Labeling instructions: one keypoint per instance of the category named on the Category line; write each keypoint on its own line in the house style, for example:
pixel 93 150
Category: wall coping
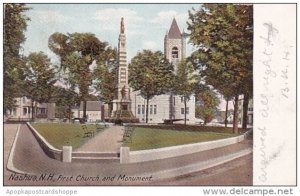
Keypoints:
pixel 47 144
pixel 157 150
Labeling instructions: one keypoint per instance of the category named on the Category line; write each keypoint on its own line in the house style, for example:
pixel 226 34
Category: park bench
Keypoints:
pixel 99 127
pixel 87 132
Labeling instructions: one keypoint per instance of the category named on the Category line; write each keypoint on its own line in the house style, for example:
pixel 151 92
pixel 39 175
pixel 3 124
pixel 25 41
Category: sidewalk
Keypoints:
pixel 106 141
pixel 10 131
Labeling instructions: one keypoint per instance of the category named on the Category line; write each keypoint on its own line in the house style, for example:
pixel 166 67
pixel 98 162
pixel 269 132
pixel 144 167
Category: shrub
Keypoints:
pixel 119 121
pixel 122 114
pixel 41 116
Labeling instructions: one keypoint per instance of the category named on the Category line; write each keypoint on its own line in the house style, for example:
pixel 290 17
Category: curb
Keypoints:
pixel 10 165
pixel 49 150
pixel 41 137
pixel 196 167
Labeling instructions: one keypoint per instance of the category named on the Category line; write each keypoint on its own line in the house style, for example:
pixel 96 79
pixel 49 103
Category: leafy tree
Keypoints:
pixel 225 91
pixel 151 74
pixel 248 93
pixel 106 76
pixel 15 24
pixel 77 51
pixel 187 81
pixel 64 99
pixel 92 97
pixel 40 78
pixel 227 99
pixel 207 108
pixel 209 80
pixel 80 74
pixel 224 36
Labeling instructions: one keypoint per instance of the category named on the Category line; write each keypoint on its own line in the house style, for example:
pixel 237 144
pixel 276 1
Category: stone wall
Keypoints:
pixel 47 148
pixel 174 151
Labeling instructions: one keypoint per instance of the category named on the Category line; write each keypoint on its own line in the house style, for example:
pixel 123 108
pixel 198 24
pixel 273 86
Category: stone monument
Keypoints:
pixel 122 103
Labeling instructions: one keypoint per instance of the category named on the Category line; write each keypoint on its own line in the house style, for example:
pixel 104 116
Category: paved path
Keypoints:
pixel 30 157
pixel 235 172
pixel 10 131
pixel 105 141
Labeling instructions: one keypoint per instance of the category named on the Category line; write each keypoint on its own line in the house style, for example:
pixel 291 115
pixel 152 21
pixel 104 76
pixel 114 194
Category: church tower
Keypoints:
pixel 174 49
pixel 122 101
pixel 167 107
pixel 174 45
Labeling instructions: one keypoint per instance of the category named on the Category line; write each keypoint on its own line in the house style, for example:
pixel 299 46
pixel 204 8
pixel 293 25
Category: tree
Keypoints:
pixel 227 99
pixel 208 105
pixel 215 81
pixel 15 24
pixel 225 91
pixel 187 80
pixel 40 78
pixel 248 93
pixel 77 51
pixel 224 36
pixel 105 76
pixel 151 74
pixel 64 99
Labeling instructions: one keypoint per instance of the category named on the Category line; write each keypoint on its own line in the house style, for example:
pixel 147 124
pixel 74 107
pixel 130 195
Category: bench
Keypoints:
pixel 99 127
pixel 87 132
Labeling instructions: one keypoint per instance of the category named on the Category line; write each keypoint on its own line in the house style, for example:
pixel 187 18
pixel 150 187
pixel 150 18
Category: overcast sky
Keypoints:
pixel 145 24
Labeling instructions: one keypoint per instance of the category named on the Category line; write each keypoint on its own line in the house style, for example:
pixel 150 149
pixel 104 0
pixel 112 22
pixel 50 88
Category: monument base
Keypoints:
pixel 122 112
pixel 120 105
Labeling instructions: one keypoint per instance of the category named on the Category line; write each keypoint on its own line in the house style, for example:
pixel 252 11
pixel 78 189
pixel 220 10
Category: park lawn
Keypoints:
pixel 147 138
pixel 59 135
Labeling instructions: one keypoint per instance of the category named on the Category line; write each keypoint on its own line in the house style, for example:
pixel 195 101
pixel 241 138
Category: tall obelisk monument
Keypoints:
pixel 122 101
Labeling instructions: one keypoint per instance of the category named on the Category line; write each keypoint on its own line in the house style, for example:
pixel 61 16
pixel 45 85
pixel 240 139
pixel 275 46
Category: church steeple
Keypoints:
pixel 174 45
pixel 174 32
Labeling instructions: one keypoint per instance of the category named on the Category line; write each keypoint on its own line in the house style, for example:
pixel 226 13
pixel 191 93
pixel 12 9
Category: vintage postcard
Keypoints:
pixel 149 94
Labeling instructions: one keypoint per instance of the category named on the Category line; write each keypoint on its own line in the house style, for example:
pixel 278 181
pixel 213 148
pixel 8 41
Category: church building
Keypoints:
pixel 166 106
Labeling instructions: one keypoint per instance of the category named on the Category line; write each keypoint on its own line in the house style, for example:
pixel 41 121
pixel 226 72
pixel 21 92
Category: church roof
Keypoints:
pixel 174 32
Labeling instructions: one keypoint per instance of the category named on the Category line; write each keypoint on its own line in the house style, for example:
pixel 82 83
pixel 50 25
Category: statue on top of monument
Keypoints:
pixel 122 25
pixel 123 92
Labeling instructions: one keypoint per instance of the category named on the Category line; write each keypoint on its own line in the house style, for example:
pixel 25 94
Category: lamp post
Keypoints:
pixel 135 105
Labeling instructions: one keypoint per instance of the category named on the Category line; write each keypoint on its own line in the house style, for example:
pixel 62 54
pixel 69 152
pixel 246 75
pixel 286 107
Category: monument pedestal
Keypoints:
pixel 123 105
pixel 122 112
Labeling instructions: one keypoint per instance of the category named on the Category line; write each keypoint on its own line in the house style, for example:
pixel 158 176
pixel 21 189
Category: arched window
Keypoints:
pixel 175 53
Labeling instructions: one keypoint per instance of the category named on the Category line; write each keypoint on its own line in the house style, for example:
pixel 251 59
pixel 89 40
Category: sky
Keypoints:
pixel 145 24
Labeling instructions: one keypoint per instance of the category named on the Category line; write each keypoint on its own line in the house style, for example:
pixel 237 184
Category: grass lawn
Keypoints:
pixel 149 138
pixel 59 135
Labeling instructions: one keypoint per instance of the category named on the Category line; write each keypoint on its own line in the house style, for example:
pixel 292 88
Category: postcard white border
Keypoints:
pixel 285 122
